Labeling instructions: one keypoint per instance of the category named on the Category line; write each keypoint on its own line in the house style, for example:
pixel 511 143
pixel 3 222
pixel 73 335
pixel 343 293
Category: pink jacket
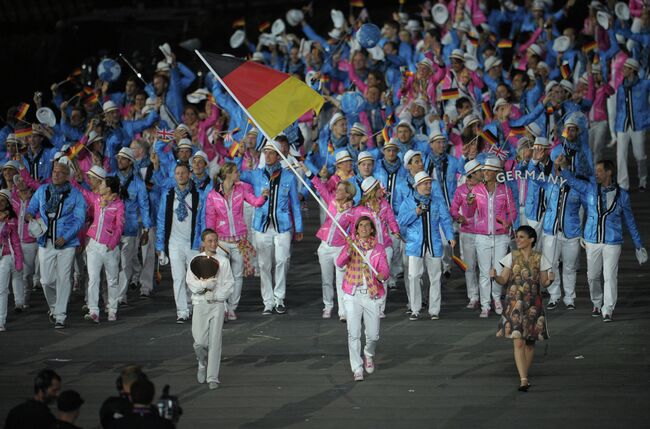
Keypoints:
pixel 616 75
pixel 108 222
pixel 409 91
pixel 328 232
pixel 384 220
pixel 460 198
pixel 378 260
pixel 598 96
pixel 476 14
pixel 636 7
pixel 10 242
pixel 227 216
pixel 20 208
pixel 489 210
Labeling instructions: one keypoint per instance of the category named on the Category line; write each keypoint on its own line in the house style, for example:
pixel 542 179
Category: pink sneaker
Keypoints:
pixel 368 364
pixel 232 315
pixel 473 305
pixel 358 375
pixel 484 314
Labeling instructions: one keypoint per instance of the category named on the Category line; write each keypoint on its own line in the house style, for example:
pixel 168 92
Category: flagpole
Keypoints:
pixel 318 200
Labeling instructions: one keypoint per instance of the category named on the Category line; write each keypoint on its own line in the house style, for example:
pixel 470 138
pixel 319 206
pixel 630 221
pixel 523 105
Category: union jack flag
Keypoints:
pixel 164 135
pixel 501 153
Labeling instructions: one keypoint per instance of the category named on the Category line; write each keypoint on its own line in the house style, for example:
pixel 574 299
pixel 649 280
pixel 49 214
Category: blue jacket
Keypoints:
pixel 541 117
pixel 446 175
pixel 122 135
pixel 605 224
pixel 412 227
pixel 634 99
pixel 536 193
pixel 578 154
pixel 404 190
pixel 286 204
pixel 136 206
pixel 71 215
pixel 40 165
pixel 390 181
pixel 180 78
pixel 562 209
pixel 165 218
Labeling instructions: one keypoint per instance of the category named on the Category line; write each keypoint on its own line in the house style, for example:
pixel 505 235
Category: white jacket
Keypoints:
pixel 213 290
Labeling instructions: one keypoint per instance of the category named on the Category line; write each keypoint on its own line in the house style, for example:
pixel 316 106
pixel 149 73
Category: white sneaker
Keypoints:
pixel 473 304
pixel 484 314
pixel 327 313
pixel 358 374
pixel 2 328
pixel 112 317
pixel 368 364
pixel 201 373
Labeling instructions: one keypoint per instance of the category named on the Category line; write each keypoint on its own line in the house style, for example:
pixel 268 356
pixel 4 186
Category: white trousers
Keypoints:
pixel 603 258
pixel 128 252
pixel 638 149
pixel 56 271
pixel 237 268
pixel 434 270
pixel 389 257
pixel 599 136
pixel 99 256
pixel 207 332
pixel 468 255
pixel 6 263
pixel 490 250
pixel 273 251
pixel 556 248
pixel 330 275
pixel 22 281
pixel 360 307
pixel 180 256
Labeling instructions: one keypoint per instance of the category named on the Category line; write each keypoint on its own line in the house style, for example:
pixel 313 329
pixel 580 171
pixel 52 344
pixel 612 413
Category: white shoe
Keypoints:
pixel 112 317
pixel 484 314
pixel 201 373
pixel 358 375
pixel 327 313
pixel 368 364
pixel 473 304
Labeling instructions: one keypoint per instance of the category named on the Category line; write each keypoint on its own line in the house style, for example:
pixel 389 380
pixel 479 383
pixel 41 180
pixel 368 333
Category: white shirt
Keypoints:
pixel 181 232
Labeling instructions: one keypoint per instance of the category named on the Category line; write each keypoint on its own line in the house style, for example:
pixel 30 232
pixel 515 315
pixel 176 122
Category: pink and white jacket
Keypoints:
pixel 108 222
pixel 489 211
pixel 598 97
pixel 226 216
pixel 378 260
pixel 328 232
pixel 456 209
pixel 20 208
pixel 10 242
pixel 384 220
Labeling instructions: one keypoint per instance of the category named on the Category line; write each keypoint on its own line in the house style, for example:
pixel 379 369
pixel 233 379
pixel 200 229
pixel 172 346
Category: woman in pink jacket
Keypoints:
pixel 473 177
pixel 102 249
pixel 376 207
pixel 224 213
pixel 492 210
pixel 12 254
pixel 339 204
pixel 363 287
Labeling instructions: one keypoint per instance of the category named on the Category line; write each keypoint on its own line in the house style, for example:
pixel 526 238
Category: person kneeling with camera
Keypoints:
pixel 211 282
pixel 143 415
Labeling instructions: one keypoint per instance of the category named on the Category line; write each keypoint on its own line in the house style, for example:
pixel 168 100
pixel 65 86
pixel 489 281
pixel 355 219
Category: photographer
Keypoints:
pixel 142 415
pixel 116 407
pixel 35 413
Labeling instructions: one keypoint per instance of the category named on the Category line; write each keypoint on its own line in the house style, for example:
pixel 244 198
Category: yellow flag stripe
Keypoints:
pixel 285 103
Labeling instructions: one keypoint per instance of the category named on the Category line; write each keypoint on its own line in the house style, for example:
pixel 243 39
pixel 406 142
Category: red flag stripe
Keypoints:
pixel 251 81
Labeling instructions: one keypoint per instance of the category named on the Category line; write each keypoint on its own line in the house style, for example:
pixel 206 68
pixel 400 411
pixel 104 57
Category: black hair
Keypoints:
pixel 608 165
pixel 142 392
pixel 44 379
pixel 461 101
pixel 113 183
pixel 183 164
pixel 529 231
pixel 207 232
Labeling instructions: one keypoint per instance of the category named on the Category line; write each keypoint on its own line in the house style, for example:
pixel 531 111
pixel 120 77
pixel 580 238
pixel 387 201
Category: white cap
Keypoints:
pixel 542 141
pixel 257 57
pixel 492 163
pixel 162 66
pixel 573 120
pixel 202 155
pixel 407 124
pixel 426 62
pixel 470 120
pixel 536 49
pixel 437 135
pixel 472 166
pixel 335 33
pixel 543 65
pixel 561 44
pixel 365 156
pixel 421 102
pixel 12 164
pixel 491 62
pixel 538 5
pixel 359 128
pixel 534 129
pixel 500 102
pixel 369 184
pixel 463 26
pixel 184 144
pixel 549 86
pixel 421 177
pixel 567 85
pixel 458 55
pixel 127 153
pixel 409 155
pixel 413 25
pixel 390 143
pixel 335 118
pixel 94 137
pixel 342 156
pixel 272 145
pixel 632 64
pixel 98 172
pixel 109 106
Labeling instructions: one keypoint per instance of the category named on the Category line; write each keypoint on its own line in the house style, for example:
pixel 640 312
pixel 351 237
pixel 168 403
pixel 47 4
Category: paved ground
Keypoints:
pixel 293 371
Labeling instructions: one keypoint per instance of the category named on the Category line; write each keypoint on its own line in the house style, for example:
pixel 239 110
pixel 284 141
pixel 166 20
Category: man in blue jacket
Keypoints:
pixel 632 121
pixel 607 208
pixel 63 210
pixel 274 224
pixel 421 220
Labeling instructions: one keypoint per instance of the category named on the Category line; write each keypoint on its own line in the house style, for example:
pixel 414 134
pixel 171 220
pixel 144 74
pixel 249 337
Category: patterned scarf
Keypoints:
pixel 248 253
pixel 391 168
pixel 273 169
pixel 422 199
pixel 181 210
pixel 56 194
pixel 357 268
pixel 340 142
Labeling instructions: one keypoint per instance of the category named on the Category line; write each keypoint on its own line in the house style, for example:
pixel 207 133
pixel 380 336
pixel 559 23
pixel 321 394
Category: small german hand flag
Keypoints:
pixel 488 136
pixel 74 150
pixel 390 120
pixel 588 47
pixel 518 131
pixel 356 3
pixel 565 70
pixel 487 111
pixel 504 44
pixel 234 149
pixel 241 22
pixel 473 40
pixel 264 26
pixel 91 99
pixel 450 94
pixel 330 148
pixel 22 111
pixel 549 110
pixel 23 132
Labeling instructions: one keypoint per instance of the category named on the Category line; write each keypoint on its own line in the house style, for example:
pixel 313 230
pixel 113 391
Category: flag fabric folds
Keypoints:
pixel 271 98
pixel 22 111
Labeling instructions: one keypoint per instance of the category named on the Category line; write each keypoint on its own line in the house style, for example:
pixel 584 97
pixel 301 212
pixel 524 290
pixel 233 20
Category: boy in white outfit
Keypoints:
pixel 208 299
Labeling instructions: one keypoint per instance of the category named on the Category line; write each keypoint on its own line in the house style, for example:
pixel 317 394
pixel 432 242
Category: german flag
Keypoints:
pixel 241 22
pixel 488 136
pixel 549 110
pixel 596 59
pixel 88 90
pixel 504 44
pixel 487 111
pixel 565 70
pixel 22 111
pixel 357 3
pixel 518 131
pixel 264 26
pixel 23 132
pixel 450 94
pixel 234 148
pixel 459 263
pixel 274 100
pixel 473 40
pixel 74 150
pixel 92 98
pixel 588 47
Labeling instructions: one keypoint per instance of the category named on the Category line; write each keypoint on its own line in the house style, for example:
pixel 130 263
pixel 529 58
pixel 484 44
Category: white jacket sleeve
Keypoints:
pixel 225 280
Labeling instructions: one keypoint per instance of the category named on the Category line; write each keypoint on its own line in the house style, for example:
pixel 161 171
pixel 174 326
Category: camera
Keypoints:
pixel 169 407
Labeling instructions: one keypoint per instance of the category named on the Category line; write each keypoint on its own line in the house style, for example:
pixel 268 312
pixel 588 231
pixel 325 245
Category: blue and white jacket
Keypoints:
pixel 69 219
pixel 423 232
